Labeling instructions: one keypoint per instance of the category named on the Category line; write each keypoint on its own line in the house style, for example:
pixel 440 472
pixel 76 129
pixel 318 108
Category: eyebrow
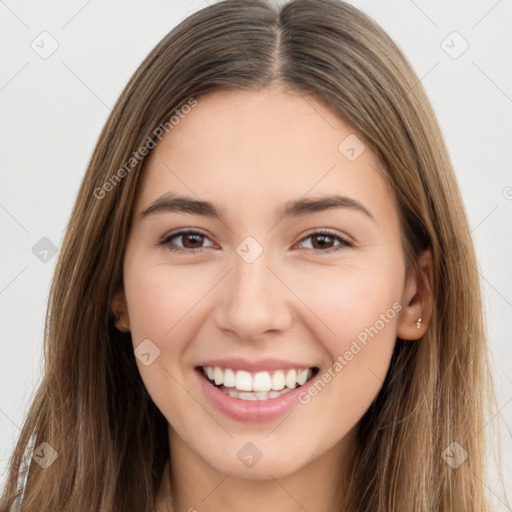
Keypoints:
pixel 171 202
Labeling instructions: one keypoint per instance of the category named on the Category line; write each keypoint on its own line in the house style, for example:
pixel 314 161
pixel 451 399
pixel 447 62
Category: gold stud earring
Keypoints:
pixel 418 322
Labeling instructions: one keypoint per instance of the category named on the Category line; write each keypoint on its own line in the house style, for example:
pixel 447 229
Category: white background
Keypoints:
pixel 53 110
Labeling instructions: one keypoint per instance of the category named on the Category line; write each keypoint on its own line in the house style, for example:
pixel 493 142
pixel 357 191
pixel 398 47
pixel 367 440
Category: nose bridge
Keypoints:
pixel 250 279
pixel 253 299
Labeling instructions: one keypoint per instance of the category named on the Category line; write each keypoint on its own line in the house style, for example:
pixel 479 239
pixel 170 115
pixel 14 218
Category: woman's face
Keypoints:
pixel 257 294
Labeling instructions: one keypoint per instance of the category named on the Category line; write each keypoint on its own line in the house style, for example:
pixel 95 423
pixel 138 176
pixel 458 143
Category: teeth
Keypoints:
pixel 218 375
pixel 302 377
pixel 243 381
pixel 257 395
pixel 278 380
pixel 291 378
pixel 262 384
pixel 229 378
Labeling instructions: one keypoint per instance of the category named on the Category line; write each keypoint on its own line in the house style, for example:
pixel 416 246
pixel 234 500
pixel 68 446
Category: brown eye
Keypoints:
pixel 322 241
pixel 325 241
pixel 191 241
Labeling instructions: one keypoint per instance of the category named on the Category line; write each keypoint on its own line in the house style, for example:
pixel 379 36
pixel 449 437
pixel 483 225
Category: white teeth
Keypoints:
pixel 218 375
pixel 261 383
pixel 257 395
pixel 247 396
pixel 302 376
pixel 229 378
pixel 291 378
pixel 278 380
pixel 243 381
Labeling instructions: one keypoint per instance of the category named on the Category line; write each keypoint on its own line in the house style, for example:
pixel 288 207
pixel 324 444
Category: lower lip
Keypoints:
pixel 256 411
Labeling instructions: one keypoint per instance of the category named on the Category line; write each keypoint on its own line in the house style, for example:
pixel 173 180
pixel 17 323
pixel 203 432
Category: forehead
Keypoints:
pixel 250 148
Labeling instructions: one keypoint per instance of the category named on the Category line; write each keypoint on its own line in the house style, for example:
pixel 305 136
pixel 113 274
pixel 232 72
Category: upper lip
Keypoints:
pixel 254 365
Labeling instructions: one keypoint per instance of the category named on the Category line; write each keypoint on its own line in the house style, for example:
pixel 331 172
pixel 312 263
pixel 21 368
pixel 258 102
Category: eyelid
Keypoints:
pixel 327 231
pixel 346 242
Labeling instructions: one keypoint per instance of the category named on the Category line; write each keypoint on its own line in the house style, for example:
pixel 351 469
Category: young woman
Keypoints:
pixel 267 296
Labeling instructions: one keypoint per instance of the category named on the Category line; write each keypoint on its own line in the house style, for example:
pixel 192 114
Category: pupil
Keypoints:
pixel 323 237
pixel 196 236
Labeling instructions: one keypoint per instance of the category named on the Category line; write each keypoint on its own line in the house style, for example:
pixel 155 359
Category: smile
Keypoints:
pixel 262 385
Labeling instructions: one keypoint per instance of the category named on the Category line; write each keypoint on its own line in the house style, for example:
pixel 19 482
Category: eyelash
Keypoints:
pixel 344 242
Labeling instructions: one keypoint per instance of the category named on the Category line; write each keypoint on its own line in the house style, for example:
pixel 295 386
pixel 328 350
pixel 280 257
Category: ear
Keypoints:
pixel 417 300
pixel 120 310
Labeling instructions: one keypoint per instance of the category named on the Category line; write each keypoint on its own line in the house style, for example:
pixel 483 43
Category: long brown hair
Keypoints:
pixel 92 407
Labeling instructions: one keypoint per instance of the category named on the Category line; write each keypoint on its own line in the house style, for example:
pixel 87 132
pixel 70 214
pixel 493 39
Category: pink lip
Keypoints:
pixel 254 366
pixel 256 411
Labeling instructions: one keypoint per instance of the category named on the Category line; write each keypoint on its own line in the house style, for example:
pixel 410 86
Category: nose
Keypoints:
pixel 252 300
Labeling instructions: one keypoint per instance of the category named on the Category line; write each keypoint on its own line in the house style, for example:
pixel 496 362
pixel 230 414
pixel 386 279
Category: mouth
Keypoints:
pixel 251 386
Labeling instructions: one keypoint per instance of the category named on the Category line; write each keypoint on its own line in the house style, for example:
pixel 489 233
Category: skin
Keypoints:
pixel 250 153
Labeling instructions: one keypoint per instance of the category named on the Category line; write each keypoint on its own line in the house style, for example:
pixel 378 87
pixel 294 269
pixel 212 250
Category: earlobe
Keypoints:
pixel 120 311
pixel 417 300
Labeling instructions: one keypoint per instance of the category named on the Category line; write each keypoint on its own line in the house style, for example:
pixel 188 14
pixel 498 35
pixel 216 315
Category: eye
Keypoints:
pixel 191 240
pixel 323 240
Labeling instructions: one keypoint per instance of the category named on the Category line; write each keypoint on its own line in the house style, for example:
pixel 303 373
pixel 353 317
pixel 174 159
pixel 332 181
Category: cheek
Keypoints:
pixel 358 308
pixel 349 300
pixel 160 304
pixel 166 306
pixel 161 300
pixel 163 308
